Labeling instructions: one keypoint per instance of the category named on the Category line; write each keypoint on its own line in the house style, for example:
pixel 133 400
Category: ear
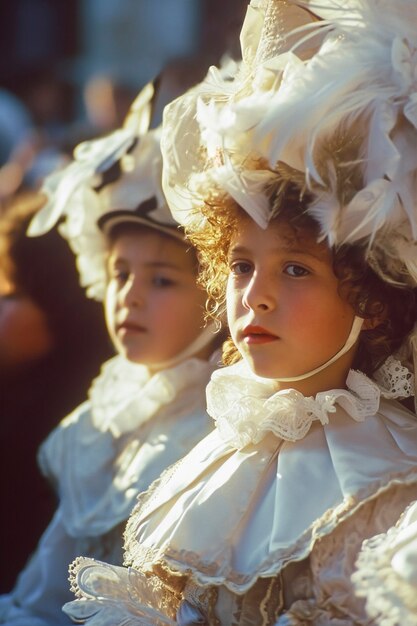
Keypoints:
pixel 371 323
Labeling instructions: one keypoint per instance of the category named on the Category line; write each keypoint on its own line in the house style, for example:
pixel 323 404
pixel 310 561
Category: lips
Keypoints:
pixel 130 326
pixel 257 334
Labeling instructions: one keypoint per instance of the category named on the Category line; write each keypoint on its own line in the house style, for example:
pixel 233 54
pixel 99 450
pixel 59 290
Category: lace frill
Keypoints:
pixel 387 573
pixel 115 596
pixel 394 379
pixel 246 407
pixel 126 395
pixel 117 386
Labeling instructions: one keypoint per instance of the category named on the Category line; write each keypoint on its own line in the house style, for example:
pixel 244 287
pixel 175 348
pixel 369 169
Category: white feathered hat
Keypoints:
pixel 113 179
pixel 326 95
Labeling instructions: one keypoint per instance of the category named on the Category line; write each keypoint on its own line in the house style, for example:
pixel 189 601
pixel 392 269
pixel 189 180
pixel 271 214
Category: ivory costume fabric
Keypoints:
pixel 386 574
pixel 262 521
pixel 99 458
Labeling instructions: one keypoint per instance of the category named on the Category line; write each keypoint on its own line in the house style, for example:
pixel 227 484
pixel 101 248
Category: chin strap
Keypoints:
pixel 353 336
pixel 201 341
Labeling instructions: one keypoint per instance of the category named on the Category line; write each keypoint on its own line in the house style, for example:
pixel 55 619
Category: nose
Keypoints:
pixel 259 295
pixel 132 294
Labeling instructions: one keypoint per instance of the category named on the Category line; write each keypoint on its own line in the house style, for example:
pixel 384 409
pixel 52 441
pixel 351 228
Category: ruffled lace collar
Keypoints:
pixel 125 395
pixel 245 407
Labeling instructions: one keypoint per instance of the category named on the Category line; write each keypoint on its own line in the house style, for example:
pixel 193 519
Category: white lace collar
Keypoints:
pixel 126 395
pixel 245 407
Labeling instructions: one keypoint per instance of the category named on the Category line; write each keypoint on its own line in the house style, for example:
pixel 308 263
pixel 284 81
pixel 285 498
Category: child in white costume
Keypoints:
pixel 147 407
pixel 306 225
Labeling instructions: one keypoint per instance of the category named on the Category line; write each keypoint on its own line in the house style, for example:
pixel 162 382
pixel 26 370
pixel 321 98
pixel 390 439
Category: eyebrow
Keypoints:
pixel 242 250
pixel 152 265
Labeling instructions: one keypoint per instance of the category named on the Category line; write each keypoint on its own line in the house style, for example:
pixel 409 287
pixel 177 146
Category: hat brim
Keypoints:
pixel 110 220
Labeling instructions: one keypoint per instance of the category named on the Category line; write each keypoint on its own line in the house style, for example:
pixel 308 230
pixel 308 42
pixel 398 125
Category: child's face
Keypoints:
pixel 154 308
pixel 284 311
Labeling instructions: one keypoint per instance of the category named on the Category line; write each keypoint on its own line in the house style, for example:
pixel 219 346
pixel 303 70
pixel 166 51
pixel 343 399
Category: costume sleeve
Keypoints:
pixel 386 575
pixel 42 587
pixel 322 592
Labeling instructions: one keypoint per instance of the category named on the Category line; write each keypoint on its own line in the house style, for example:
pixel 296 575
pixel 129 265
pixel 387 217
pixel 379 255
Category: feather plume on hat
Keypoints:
pixel 326 91
pixel 120 172
pixel 207 139
pixel 351 112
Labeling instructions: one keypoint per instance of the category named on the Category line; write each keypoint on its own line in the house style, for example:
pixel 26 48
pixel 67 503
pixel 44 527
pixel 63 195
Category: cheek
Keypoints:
pixel 188 308
pixel 109 306
pixel 323 315
pixel 233 306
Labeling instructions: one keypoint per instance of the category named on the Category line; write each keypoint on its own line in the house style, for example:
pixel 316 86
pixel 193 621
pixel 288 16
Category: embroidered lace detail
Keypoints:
pixel 394 379
pixel 198 606
pixel 383 574
pixel 246 407
pixel 323 588
pixel 116 596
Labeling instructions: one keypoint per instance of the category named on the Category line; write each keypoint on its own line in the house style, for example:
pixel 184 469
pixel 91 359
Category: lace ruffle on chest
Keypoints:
pixel 125 395
pixel 246 407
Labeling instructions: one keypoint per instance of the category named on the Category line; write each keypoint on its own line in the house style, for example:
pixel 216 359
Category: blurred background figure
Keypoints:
pixel 73 68
pixel 52 343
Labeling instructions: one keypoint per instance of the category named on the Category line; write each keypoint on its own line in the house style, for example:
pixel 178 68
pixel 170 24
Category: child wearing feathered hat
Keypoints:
pixel 147 407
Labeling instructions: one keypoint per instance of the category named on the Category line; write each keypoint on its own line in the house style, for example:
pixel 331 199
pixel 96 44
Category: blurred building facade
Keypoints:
pixel 128 40
pixel 69 70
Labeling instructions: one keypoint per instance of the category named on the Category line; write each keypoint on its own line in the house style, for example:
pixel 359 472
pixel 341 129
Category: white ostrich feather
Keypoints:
pixel 361 84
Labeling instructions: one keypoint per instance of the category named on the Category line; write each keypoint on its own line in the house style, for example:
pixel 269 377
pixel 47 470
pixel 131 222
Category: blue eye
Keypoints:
pixel 296 271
